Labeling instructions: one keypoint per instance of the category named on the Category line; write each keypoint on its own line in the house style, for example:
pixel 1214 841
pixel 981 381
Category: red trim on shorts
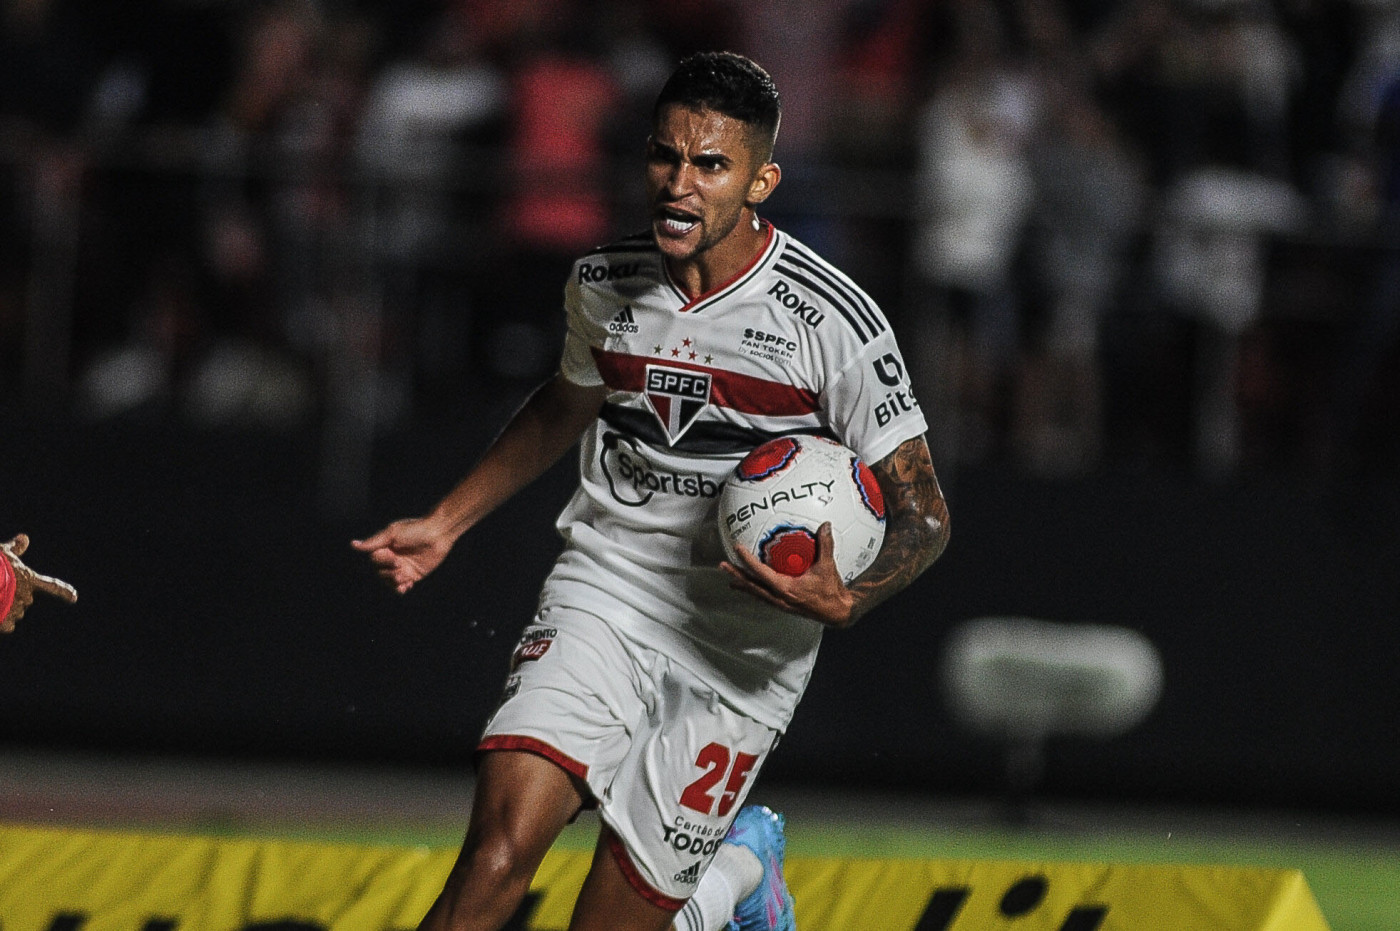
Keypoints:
pixel 534 745
pixel 624 862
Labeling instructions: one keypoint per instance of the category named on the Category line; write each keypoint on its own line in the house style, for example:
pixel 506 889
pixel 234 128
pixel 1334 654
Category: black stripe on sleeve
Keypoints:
pixel 842 307
pixel 821 269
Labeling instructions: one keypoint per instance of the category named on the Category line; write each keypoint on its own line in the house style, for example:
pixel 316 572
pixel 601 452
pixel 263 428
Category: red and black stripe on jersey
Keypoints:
pixel 705 438
pixel 736 391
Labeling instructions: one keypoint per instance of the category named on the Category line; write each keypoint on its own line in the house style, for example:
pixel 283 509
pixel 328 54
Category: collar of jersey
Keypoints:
pixel 690 305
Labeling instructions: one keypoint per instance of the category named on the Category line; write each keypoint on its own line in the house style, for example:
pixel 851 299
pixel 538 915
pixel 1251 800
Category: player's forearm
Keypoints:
pixel 916 526
pixel 544 428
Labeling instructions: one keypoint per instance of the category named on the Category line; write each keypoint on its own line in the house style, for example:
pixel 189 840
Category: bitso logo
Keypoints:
pixel 888 370
pixel 624 322
pixel 676 397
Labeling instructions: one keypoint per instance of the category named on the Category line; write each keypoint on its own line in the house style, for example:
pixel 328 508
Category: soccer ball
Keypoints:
pixel 781 493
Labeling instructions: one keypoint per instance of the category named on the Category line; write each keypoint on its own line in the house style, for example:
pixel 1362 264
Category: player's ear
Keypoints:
pixel 763 183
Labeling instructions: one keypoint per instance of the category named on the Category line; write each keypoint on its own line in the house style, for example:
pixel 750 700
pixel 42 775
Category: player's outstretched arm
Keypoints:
pixel 18 583
pixel 916 532
pixel 542 430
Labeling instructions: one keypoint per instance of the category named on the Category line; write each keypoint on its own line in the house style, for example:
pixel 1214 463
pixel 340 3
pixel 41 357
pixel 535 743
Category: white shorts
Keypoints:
pixel 667 761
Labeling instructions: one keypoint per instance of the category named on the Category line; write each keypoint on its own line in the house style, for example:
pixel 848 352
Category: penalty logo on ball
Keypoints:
pixel 781 493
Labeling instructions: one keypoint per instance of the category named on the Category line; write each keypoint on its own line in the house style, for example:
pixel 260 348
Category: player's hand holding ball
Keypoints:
pixel 18 583
pixel 817 593
pixel 800 518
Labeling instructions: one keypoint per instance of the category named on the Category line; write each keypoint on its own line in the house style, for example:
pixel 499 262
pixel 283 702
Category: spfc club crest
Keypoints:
pixel 676 396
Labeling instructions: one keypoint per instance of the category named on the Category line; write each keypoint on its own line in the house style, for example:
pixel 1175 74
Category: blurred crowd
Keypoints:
pixel 1107 230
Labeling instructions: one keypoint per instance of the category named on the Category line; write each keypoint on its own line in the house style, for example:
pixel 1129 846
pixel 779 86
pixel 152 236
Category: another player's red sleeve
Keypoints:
pixel 8 584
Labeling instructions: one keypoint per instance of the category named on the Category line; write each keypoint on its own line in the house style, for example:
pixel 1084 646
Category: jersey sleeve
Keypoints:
pixel 871 403
pixel 577 363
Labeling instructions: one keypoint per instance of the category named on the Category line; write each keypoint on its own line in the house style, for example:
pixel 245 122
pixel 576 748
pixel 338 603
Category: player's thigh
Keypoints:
pixel 609 901
pixel 522 802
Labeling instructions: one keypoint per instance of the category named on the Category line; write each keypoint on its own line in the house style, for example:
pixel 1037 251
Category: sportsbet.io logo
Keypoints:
pixel 634 480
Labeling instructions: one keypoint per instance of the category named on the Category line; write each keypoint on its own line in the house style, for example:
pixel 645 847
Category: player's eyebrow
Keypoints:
pixel 711 160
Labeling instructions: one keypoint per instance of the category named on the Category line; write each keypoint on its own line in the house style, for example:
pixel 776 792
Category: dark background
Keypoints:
pixel 221 614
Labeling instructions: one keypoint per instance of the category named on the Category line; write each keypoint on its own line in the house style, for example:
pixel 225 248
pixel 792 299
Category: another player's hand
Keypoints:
pixel 818 593
pixel 406 551
pixel 27 582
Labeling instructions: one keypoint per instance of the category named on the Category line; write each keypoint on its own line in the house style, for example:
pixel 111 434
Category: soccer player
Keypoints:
pixel 657 677
pixel 18 583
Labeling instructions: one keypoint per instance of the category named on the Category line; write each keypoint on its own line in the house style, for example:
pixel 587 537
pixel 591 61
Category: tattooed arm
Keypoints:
pixel 916 531
pixel 916 526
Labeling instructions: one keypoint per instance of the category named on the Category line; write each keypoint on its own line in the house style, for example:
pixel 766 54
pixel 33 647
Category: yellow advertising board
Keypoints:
pixel 62 880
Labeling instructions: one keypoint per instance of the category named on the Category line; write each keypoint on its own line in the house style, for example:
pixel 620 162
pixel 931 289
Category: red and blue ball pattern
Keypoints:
pixel 870 494
pixel 767 460
pixel 788 549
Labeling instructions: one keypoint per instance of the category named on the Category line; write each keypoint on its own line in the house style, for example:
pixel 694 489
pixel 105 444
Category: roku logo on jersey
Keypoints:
pixel 589 273
pixel 805 312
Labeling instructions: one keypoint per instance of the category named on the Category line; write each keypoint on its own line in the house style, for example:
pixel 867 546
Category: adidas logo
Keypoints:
pixel 624 322
pixel 691 874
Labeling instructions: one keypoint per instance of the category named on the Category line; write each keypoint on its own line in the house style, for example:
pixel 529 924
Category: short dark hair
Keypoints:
pixel 727 83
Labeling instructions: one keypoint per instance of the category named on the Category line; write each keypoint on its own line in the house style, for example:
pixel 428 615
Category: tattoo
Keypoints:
pixel 916 525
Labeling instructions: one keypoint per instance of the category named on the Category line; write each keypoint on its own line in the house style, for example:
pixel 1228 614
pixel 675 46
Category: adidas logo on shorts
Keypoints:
pixel 624 322
pixel 691 874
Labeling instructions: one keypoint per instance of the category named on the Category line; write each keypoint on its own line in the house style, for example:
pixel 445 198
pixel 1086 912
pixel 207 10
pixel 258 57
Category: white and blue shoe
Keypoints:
pixel 769 907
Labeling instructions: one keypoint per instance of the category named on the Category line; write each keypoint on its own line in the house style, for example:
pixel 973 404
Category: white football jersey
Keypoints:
pixel 790 345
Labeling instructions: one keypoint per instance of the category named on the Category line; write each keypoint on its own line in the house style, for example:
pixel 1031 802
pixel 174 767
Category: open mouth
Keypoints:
pixel 673 222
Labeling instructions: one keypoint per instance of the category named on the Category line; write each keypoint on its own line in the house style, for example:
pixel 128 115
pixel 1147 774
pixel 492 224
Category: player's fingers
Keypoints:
pixel 375 542
pixel 826 542
pixel 751 564
pixel 56 587
pixel 381 555
pixel 16 545
pixel 741 582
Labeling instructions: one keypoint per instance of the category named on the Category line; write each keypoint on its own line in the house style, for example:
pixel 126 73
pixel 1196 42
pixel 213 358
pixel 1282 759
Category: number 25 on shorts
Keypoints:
pixel 717 761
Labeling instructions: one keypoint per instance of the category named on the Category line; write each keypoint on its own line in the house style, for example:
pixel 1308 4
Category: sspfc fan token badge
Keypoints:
pixel 676 396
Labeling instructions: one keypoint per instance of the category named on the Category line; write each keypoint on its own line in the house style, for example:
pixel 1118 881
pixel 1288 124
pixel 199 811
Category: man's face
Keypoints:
pixel 703 168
